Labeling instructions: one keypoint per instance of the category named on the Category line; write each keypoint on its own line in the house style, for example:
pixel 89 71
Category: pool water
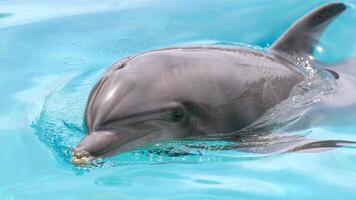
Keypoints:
pixel 53 52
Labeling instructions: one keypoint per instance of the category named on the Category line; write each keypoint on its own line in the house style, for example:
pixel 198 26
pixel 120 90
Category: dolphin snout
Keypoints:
pixel 94 145
pixel 81 157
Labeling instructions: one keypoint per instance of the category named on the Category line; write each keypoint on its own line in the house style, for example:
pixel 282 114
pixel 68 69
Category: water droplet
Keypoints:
pixel 319 49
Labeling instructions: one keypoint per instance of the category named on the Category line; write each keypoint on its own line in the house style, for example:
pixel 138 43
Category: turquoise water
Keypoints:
pixel 52 53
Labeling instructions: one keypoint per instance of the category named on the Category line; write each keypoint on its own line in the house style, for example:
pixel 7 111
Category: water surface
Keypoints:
pixel 53 52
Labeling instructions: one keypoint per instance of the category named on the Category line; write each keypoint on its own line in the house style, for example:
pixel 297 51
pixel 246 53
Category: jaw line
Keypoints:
pixel 120 147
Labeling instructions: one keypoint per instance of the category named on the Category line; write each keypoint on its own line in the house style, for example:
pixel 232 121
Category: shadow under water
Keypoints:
pixel 3 15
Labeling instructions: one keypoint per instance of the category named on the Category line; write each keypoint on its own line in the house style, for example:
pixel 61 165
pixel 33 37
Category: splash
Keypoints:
pixel 59 125
pixel 284 116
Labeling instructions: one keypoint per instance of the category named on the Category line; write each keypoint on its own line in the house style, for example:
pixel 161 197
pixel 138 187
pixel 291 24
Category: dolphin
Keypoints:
pixel 187 92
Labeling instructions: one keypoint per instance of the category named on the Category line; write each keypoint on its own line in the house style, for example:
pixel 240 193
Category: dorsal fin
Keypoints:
pixel 304 34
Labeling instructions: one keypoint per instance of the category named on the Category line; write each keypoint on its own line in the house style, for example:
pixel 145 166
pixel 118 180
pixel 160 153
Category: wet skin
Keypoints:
pixel 182 92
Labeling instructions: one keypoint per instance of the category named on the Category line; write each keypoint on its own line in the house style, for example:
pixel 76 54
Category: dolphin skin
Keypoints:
pixel 184 92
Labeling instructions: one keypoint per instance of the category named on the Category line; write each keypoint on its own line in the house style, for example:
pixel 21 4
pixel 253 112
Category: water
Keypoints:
pixel 52 53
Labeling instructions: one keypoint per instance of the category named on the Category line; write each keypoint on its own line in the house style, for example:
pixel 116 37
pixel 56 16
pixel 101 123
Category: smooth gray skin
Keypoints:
pixel 193 91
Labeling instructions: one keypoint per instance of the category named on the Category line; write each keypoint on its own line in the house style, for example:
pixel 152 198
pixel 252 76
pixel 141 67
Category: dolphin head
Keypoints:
pixel 127 109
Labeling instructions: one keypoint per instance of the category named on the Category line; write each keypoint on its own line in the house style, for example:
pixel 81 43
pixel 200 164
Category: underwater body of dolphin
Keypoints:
pixel 185 92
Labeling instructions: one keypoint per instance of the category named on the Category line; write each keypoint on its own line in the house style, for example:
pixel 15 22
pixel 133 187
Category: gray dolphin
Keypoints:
pixel 182 92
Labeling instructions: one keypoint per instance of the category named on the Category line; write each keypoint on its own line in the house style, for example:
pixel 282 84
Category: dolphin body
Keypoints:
pixel 182 92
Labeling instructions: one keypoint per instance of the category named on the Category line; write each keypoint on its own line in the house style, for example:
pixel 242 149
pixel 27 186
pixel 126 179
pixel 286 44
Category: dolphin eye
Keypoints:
pixel 177 115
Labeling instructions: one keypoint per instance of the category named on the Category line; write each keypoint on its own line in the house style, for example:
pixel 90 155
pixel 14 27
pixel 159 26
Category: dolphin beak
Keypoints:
pixel 93 145
pixel 81 157
pixel 98 144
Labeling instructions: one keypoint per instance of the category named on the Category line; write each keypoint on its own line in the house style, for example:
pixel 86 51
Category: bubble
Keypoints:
pixel 304 64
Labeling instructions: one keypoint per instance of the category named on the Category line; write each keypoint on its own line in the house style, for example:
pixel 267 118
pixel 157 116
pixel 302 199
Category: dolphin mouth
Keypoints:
pixel 134 143
pixel 81 157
